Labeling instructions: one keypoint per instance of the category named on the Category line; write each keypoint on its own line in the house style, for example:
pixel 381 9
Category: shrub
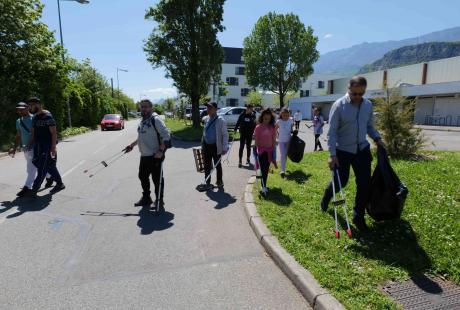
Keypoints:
pixel 394 120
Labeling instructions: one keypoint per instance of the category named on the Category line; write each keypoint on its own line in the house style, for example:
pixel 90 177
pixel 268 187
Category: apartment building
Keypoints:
pixel 435 86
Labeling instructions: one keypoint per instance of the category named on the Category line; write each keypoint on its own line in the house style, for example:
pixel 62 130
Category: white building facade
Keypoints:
pixel 435 86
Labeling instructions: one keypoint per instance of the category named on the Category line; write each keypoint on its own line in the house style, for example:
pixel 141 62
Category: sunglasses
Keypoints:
pixel 357 94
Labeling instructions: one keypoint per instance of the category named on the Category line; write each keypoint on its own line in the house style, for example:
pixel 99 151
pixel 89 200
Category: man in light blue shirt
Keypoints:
pixel 350 121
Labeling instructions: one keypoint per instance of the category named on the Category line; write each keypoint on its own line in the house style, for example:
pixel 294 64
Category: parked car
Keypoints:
pixel 112 121
pixel 231 114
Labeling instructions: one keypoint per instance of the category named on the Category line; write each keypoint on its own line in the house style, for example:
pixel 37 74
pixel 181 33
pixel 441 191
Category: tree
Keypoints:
pixel 185 43
pixel 170 105
pixel 278 53
pixel 254 98
pixel 395 115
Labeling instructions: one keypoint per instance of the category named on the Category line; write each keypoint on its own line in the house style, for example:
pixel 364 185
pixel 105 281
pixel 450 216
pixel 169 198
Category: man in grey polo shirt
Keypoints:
pixel 152 140
pixel 350 121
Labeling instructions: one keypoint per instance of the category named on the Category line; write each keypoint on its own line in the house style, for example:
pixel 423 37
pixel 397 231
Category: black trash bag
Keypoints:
pixel 388 194
pixel 296 148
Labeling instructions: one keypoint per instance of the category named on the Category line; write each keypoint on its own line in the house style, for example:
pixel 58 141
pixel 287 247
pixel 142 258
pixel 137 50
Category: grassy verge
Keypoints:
pixel 74 131
pixel 185 131
pixel 426 239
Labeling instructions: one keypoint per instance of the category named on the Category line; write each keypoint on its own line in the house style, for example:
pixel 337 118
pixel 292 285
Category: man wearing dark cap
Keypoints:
pixel 44 140
pixel 214 143
pixel 246 123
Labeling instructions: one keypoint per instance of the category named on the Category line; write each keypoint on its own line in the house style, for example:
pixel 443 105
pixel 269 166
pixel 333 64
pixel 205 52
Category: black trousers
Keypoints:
pixel 151 166
pixel 317 142
pixel 297 125
pixel 210 155
pixel 264 167
pixel 361 164
pixel 245 140
pixel 45 164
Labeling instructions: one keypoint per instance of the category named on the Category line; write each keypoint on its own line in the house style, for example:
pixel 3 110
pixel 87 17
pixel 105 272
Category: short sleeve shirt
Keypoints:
pixel 265 135
pixel 41 124
pixel 284 130
pixel 318 121
pixel 25 129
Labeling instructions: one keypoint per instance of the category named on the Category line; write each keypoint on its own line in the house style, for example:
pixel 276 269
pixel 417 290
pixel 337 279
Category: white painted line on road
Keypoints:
pixel 6 214
pixel 99 149
pixel 73 168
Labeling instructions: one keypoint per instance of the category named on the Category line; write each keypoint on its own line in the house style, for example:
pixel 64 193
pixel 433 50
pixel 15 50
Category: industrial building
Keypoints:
pixel 435 86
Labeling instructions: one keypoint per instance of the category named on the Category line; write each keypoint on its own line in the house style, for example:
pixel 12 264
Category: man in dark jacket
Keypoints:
pixel 246 122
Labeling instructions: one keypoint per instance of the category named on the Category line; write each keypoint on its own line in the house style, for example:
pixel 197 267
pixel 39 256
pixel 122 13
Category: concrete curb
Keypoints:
pixel 316 296
pixel 439 128
pixel 3 154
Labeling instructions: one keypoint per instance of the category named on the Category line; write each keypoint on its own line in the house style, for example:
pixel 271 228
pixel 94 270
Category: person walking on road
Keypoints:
pixel 284 125
pixel 214 144
pixel 318 124
pixel 246 123
pixel 265 143
pixel 350 120
pixel 152 139
pixel 44 140
pixel 297 119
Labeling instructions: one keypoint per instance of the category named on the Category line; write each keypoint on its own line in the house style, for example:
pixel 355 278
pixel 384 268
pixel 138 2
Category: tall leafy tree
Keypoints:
pixel 278 53
pixel 184 42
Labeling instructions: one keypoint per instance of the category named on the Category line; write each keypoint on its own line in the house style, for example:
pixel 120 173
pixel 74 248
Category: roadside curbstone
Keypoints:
pixel 318 297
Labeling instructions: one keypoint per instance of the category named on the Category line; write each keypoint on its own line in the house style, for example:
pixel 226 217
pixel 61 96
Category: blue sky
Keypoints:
pixel 111 32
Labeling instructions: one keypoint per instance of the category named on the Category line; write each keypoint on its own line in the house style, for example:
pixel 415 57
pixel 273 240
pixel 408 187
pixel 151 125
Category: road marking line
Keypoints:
pixel 99 149
pixel 73 168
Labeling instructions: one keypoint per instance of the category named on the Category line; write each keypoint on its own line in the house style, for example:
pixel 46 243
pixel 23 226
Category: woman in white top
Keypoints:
pixel 297 119
pixel 284 126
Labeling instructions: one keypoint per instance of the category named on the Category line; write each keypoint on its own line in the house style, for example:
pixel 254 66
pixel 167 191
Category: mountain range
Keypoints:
pixel 351 60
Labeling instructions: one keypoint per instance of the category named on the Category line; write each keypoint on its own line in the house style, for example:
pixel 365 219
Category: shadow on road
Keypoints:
pixel 180 144
pixel 148 221
pixel 26 205
pixel 222 198
pixel 276 196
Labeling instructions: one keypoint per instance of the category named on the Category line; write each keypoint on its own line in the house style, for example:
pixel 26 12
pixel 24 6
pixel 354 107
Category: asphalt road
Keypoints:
pixel 88 247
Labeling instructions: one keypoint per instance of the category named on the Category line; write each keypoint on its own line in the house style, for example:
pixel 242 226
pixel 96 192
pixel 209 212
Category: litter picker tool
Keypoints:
pixel 341 202
pixel 158 202
pixel 258 171
pixel 203 187
pixel 226 161
pixel 105 163
pixel 309 127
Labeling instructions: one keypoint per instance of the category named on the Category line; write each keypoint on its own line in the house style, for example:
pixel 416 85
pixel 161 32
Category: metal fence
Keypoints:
pixel 440 120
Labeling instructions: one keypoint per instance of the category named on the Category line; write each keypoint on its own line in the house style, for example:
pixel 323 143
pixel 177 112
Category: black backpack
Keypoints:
pixel 296 148
pixel 167 143
pixel 387 194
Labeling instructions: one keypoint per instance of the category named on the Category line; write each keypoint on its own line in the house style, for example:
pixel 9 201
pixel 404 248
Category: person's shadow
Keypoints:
pixel 298 176
pixel 395 244
pixel 24 205
pixel 222 198
pixel 149 221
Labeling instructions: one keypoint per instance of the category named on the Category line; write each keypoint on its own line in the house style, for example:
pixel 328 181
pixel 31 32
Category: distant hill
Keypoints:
pixel 413 54
pixel 351 60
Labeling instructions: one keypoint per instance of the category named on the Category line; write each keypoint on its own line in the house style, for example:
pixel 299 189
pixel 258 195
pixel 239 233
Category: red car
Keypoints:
pixel 112 121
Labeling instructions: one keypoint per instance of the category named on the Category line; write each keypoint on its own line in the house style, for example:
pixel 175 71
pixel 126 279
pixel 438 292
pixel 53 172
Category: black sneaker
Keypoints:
pixel 144 202
pixel 23 192
pixel 57 188
pixel 31 194
pixel 248 161
pixel 361 225
pixel 240 165
pixel 161 206
pixel 49 183
pixel 219 184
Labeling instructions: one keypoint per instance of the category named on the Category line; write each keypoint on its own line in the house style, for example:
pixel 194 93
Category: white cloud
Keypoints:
pixel 328 35
pixel 159 93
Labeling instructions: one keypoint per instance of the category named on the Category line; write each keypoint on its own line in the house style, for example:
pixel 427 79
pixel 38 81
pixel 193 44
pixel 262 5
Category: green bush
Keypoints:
pixel 68 132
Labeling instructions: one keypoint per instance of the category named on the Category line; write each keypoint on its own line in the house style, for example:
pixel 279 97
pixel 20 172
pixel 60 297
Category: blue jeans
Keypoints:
pixel 361 164
pixel 45 164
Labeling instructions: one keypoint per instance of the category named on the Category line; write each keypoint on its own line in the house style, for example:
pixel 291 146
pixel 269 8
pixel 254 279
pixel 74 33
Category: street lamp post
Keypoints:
pixel 69 115
pixel 118 84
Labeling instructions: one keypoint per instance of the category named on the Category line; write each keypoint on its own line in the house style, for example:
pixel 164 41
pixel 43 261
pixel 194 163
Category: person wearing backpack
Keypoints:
pixel 214 144
pixel 153 139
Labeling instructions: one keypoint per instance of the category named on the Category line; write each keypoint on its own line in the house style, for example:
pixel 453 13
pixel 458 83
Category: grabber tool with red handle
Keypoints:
pixel 341 202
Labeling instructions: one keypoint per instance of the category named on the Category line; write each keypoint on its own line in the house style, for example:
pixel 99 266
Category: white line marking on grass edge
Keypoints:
pixel 73 168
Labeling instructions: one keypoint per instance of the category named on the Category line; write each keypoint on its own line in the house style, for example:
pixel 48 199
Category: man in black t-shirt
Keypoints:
pixel 247 123
pixel 44 140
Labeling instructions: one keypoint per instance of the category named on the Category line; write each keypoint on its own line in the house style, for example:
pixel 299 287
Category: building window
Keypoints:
pixel 304 93
pixel 232 102
pixel 232 81
pixel 320 84
pixel 244 92
pixel 239 70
